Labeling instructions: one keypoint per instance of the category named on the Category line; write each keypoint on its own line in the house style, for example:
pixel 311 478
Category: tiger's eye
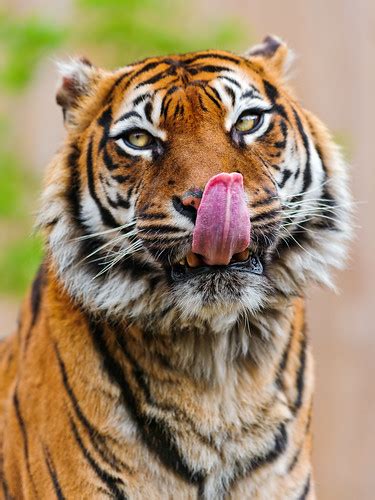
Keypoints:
pixel 139 139
pixel 247 123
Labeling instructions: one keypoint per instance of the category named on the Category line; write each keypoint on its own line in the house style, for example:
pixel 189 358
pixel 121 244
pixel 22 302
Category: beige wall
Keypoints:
pixel 335 77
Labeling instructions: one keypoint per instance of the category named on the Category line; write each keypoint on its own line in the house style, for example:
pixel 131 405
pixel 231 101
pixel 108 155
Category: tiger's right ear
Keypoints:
pixel 274 54
pixel 78 79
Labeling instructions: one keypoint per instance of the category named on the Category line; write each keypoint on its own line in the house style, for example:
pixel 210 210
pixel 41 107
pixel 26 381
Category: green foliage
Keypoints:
pixel 125 30
pixel 112 33
pixel 19 255
pixel 24 42
pixel 119 31
pixel 16 186
pixel 18 263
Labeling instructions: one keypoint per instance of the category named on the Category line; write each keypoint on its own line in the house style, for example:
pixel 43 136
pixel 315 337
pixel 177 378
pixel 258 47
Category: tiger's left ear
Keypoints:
pixel 78 80
pixel 274 53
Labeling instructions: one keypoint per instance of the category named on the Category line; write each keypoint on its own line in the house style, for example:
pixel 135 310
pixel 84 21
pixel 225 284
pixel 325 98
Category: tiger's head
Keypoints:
pixel 193 186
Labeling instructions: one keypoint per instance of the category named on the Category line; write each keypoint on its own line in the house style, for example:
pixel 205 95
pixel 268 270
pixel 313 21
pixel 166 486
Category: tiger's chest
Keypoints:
pixel 205 444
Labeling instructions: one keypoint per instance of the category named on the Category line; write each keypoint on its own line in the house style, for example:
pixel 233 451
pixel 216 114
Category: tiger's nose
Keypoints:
pixel 192 198
pixel 189 203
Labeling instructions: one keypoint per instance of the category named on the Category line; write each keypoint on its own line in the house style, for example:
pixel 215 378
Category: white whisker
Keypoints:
pixel 101 233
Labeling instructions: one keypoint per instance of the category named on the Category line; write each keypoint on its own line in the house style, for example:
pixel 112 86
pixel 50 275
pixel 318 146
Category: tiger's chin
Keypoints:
pixel 209 291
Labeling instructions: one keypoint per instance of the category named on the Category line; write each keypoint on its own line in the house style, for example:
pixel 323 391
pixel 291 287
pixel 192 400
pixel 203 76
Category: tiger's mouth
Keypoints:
pixel 193 265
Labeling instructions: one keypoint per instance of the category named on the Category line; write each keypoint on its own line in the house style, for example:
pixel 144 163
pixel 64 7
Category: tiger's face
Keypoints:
pixel 192 182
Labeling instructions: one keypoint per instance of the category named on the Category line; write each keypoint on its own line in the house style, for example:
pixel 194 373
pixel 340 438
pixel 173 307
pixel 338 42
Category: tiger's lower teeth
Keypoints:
pixel 193 260
pixel 241 257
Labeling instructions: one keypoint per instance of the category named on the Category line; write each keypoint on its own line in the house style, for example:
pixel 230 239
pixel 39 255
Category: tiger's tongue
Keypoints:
pixel 222 227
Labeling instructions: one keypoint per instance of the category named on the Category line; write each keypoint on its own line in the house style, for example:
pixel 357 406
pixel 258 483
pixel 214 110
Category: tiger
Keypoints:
pixel 162 349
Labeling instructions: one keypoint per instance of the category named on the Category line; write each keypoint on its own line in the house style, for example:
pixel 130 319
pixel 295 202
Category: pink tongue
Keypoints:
pixel 222 227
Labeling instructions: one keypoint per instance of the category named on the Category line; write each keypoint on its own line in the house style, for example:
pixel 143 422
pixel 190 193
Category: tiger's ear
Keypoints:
pixel 78 80
pixel 274 53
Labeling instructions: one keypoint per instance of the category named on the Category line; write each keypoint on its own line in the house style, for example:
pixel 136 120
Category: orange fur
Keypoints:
pixel 143 395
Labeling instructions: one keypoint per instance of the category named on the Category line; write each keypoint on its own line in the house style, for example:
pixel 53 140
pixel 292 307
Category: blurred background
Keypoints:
pixel 334 77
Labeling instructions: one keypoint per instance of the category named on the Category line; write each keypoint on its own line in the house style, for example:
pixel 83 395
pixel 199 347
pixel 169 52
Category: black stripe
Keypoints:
pixel 87 247
pixel 132 266
pixel 35 301
pixel 22 426
pixel 296 239
pixel 320 154
pixel 154 79
pixel 96 438
pixel 271 91
pixel 328 211
pixel 275 155
pixel 300 378
pixel 265 235
pixel 122 202
pixel 285 177
pixel 268 130
pixel 279 108
pixel 279 144
pixel 144 69
pixel 112 203
pixel 5 487
pixel 153 216
pixel 73 193
pixel 201 490
pixel 263 202
pixel 229 79
pixel 284 360
pixel 105 121
pixel 307 172
pixel 148 111
pixel 162 241
pixel 213 55
pixel 176 110
pixel 212 98
pixel 306 488
pixel 106 216
pixel 160 229
pixel 182 110
pixel 201 103
pixel 294 462
pixel 25 440
pixel 209 68
pixel 167 94
pixel 53 474
pixel 284 130
pixel 248 93
pixel 165 111
pixel 110 481
pixel 215 92
pixel 121 178
pixel 156 435
pixel 142 381
pixel 231 94
pixel 254 463
pixel 116 83
pixel 265 215
pixel 141 98
pixel 108 162
pixel 127 115
pixel 273 94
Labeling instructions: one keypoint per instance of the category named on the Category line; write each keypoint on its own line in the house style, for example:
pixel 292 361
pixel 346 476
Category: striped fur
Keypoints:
pixel 123 382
